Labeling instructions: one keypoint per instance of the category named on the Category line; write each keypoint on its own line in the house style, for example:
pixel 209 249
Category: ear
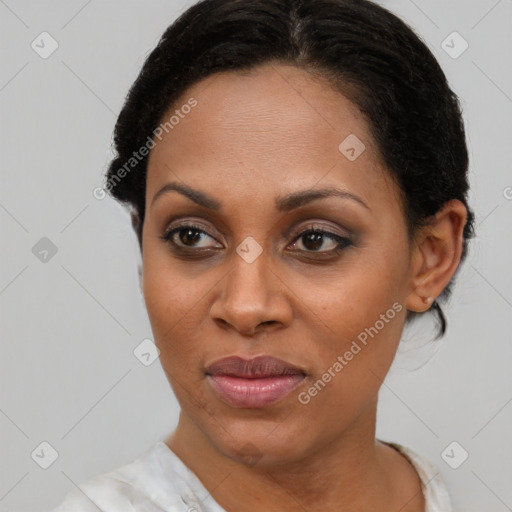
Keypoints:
pixel 137 226
pixel 436 255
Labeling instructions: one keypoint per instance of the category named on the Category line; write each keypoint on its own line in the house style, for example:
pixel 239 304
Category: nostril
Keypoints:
pixel 222 322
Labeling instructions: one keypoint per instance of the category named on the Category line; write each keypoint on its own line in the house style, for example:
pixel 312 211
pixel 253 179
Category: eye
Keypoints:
pixel 312 240
pixel 189 236
pixel 321 241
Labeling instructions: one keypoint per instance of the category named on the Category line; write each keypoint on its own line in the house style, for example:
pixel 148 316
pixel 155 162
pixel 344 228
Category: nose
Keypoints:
pixel 252 298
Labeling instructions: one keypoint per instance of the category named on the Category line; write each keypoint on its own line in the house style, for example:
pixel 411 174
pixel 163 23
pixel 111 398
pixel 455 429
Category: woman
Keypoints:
pixel 297 176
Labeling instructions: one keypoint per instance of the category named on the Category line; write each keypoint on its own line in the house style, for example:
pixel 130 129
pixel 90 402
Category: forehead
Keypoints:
pixel 275 124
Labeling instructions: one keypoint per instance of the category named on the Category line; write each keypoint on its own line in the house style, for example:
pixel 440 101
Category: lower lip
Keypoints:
pixel 254 393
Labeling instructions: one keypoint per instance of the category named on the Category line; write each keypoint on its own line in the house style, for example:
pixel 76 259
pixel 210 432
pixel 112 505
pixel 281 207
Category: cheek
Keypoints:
pixel 365 287
pixel 363 316
pixel 351 365
pixel 174 308
pixel 172 303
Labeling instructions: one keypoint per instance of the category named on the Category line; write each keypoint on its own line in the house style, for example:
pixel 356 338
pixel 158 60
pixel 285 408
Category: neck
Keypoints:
pixel 347 473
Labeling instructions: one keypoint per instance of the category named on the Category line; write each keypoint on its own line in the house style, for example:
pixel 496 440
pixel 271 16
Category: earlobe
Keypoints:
pixel 436 255
pixel 428 301
pixel 135 220
pixel 415 302
pixel 136 225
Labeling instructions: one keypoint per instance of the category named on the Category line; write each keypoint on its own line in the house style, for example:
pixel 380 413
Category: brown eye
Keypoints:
pixel 189 236
pixel 318 240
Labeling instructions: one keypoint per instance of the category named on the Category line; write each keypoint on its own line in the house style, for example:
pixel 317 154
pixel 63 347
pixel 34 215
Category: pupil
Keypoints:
pixel 316 239
pixel 188 236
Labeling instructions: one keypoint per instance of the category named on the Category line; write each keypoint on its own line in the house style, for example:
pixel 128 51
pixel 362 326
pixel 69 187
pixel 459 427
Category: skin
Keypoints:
pixel 253 138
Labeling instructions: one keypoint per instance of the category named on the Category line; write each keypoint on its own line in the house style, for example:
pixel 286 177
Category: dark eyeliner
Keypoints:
pixel 342 241
pixel 168 234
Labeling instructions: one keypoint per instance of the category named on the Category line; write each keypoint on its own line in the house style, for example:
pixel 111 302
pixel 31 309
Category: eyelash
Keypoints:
pixel 342 242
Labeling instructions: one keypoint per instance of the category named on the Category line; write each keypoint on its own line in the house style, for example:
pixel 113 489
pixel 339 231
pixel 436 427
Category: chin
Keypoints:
pixel 257 443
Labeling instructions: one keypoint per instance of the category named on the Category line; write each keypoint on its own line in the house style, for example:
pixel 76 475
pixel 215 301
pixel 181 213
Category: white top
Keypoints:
pixel 158 481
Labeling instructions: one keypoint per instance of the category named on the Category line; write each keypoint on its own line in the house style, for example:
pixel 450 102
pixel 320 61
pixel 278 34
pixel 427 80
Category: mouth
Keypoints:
pixel 253 383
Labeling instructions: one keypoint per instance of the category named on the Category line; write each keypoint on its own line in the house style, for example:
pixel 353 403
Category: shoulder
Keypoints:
pixel 154 482
pixel 104 493
pixel 437 498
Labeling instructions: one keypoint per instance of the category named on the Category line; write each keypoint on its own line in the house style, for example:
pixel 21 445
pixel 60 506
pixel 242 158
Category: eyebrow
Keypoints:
pixel 283 204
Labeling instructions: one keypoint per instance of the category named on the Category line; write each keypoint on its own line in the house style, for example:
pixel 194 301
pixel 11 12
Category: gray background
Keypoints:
pixel 69 325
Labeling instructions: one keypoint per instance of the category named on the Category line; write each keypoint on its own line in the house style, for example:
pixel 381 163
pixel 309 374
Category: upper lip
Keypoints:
pixel 258 367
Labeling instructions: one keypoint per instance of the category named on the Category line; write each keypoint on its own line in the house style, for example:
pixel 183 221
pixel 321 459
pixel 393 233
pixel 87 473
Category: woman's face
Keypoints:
pixel 263 237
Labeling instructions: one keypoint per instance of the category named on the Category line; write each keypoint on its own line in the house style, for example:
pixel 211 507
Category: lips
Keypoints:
pixel 253 383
